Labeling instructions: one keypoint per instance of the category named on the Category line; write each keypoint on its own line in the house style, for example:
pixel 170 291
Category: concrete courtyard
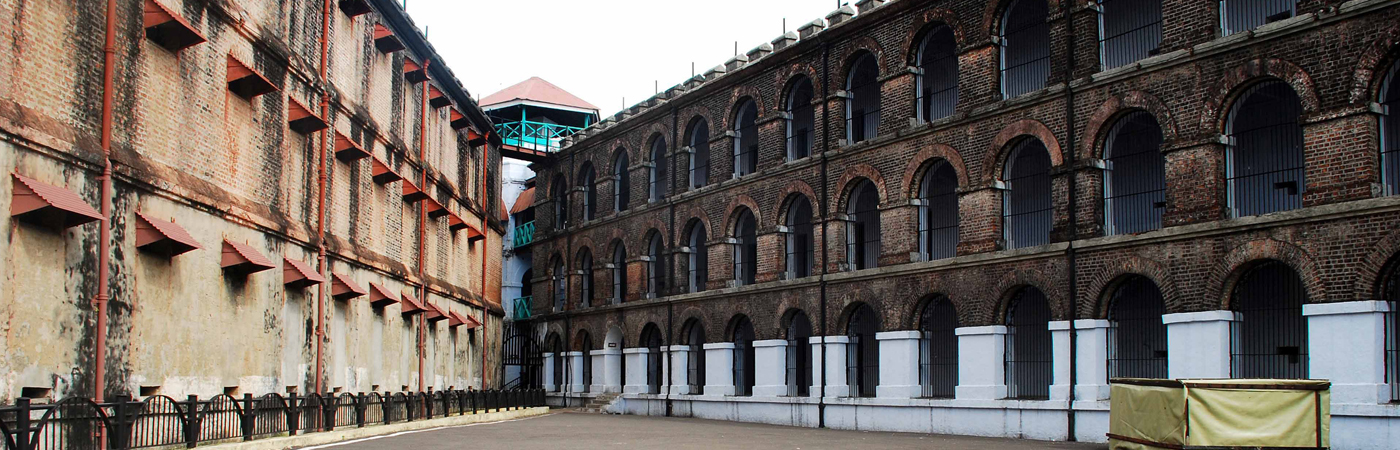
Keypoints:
pixel 564 429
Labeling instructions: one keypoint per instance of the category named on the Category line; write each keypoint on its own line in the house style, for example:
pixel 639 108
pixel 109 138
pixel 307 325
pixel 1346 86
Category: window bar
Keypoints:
pixel 1025 48
pixel 937 94
pixel 1028 350
pixel 1129 31
pixel 1271 337
pixel 1137 339
pixel 1134 175
pixel 1265 159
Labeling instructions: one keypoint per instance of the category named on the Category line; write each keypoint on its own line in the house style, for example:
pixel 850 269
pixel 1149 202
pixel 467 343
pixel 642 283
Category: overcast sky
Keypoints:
pixel 603 50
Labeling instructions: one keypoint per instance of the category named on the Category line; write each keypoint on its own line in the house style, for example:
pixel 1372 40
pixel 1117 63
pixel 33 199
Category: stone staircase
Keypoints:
pixel 596 404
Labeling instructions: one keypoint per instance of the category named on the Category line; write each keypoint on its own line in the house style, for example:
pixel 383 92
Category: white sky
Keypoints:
pixel 604 50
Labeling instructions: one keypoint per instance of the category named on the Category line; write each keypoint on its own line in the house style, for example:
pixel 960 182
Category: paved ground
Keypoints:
pixel 586 431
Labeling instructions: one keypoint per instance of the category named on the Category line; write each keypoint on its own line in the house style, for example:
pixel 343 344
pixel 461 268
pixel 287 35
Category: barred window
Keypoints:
pixel 699 258
pixel 863 227
pixel 802 115
pixel 619 273
pixel 1271 338
pixel 1245 15
pixel 863 102
pixel 1026 203
pixel 657 173
pixel 699 138
pixel 938 348
pixel 585 345
pixel 694 335
pixel 799 355
pixel 1028 350
pixel 622 184
pixel 1135 180
pixel 1390 132
pixel 554 345
pixel 656 267
pixel 560 193
pixel 863 352
pixel 1391 295
pixel 587 179
pixel 1137 341
pixel 746 139
pixel 561 284
pixel 938 79
pixel 1129 30
pixel 1025 48
pixel 651 340
pixel 745 248
pixel 743 356
pixel 1264 163
pixel 799 239
pixel 585 264
pixel 938 212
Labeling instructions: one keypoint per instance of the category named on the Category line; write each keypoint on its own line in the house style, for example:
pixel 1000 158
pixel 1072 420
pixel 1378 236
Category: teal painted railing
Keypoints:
pixel 525 234
pixel 521 307
pixel 534 135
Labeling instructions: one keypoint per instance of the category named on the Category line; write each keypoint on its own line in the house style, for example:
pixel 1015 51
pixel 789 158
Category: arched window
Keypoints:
pixel 561 284
pixel 527 286
pixel 1026 207
pixel 1390 132
pixel 863 99
pixel 938 212
pixel 801 119
pixel 1028 350
pixel 799 239
pixel 863 227
pixel 619 273
pixel 746 138
pixel 938 348
pixel 657 173
pixel 1135 175
pixel 656 267
pixel 1271 337
pixel 554 345
pixel 559 191
pixel 743 356
pixel 694 335
pixel 585 345
pixel 699 258
pixel 587 178
pixel 1129 30
pixel 1264 164
pixel 799 355
pixel 585 266
pixel 622 184
pixel 938 77
pixel 863 352
pixel 651 340
pixel 1025 48
pixel 699 138
pixel 1245 15
pixel 745 249
pixel 1137 341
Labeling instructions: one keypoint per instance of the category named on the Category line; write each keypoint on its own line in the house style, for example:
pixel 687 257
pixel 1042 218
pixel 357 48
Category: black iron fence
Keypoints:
pixel 160 421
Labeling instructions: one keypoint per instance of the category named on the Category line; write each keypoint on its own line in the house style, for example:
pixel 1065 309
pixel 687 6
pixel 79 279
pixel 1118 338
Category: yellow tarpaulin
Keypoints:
pixel 1151 414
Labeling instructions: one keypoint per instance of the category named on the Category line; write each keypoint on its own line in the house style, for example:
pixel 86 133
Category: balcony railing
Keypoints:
pixel 520 308
pixel 524 234
pixel 534 135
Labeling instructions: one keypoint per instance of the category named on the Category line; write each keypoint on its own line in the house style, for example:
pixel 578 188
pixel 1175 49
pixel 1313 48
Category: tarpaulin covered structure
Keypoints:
pixel 1189 414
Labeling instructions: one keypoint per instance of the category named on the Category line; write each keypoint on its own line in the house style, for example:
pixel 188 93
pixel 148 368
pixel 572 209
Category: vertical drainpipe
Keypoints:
pixel 671 268
pixel 826 146
pixel 485 215
pixel 320 334
pixel 1073 161
pixel 423 227
pixel 104 245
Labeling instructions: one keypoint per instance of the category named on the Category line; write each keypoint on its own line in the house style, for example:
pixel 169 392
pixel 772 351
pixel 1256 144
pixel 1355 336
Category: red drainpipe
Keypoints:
pixel 104 246
pixel 320 335
pixel 423 224
pixel 485 313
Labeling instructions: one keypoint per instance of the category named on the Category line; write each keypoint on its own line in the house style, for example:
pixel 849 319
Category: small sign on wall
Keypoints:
pixel 612 344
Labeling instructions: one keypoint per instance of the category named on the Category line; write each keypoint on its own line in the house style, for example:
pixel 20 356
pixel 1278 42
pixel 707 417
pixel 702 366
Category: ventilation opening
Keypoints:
pixel 35 393
pixel 232 391
pixel 147 391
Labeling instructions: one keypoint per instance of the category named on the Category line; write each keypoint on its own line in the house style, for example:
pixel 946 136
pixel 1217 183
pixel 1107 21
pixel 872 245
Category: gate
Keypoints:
pixel 522 352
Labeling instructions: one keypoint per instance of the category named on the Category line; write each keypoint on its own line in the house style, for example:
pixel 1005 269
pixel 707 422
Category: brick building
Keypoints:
pixel 966 216
pixel 265 197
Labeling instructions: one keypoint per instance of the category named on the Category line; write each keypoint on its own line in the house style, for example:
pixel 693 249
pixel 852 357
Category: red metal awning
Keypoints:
pixel 165 238
pixel 168 29
pixel 411 192
pixel 525 201
pixel 303 120
pixel 245 81
pixel 413 72
pixel 435 314
pixel 385 41
pixel 433 208
pixel 344 288
pixel 241 258
pixel 347 150
pixel 300 275
pixel 459 121
pixel 436 98
pixel 383 174
pixel 458 320
pixel 380 297
pixel 354 8
pixel 455 222
pixel 45 204
pixel 474 234
pixel 410 305
pixel 474 138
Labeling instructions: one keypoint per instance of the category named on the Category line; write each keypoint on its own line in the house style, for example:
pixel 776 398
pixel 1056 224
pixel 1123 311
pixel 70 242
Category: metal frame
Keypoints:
pixel 622 185
pixel 799 239
pixel 863 229
pixel 657 187
pixel 744 358
pixel 938 348
pixel 1258 12
pixel 1135 181
pixel 800 124
pixel 1137 338
pixel 936 96
pixel 699 138
pixel 745 138
pixel 1021 74
pixel 1271 338
pixel 1027 207
pixel 1136 31
pixel 619 274
pixel 938 212
pixel 1029 357
pixel 588 180
pixel 656 268
pixel 1274 180
pixel 698 261
pixel 863 352
pixel 863 99
pixel 799 355
pixel 745 252
pixel 1390 131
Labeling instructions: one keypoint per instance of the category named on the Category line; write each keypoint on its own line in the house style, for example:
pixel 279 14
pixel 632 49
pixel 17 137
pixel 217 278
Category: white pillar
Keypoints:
pixel 770 373
pixel 981 362
pixel 1198 344
pixel 598 367
pixel 575 371
pixel 549 381
pixel 1091 369
pixel 817 368
pixel 636 370
pixel 611 371
pixel 835 366
pixel 719 368
pixel 1059 359
pixel 899 365
pixel 1346 344
pixel 680 370
pixel 662 353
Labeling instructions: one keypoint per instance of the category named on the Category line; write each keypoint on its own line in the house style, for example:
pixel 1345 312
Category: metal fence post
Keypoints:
pixel 386 407
pixel 293 414
pixel 247 418
pixel 22 424
pixel 192 421
pixel 361 409
pixel 328 412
